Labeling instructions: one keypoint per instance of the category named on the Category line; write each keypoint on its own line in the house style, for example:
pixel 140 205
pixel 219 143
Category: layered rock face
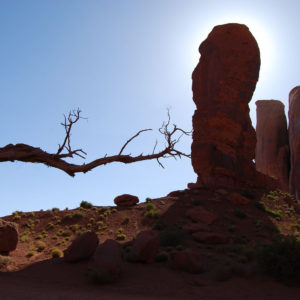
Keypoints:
pixel 294 140
pixel 272 147
pixel 224 80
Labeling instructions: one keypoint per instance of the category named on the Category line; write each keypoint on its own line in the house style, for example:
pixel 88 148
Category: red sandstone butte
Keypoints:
pixel 294 139
pixel 224 80
pixel 272 146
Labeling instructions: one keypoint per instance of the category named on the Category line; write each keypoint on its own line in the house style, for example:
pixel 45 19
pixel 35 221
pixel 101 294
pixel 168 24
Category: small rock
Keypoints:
pixel 126 200
pixel 195 227
pixel 8 236
pixel 83 247
pixel 107 262
pixel 187 260
pixel 237 199
pixel 201 215
pixel 145 246
pixel 210 238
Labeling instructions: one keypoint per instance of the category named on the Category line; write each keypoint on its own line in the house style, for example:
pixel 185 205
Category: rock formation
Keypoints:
pixel 294 140
pixel 224 80
pixel 9 236
pixel 272 147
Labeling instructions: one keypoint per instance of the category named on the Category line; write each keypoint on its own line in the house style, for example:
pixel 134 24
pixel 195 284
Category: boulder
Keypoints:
pixel 126 200
pixel 294 140
pixel 145 246
pixel 237 199
pixel 187 260
pixel 210 238
pixel 8 236
pixel 201 215
pixel 272 147
pixel 83 247
pixel 106 264
pixel 223 147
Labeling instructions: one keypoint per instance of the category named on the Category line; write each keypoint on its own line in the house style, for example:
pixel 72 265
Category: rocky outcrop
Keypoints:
pixel 83 247
pixel 106 264
pixel 272 147
pixel 8 236
pixel 126 200
pixel 145 247
pixel 294 141
pixel 224 80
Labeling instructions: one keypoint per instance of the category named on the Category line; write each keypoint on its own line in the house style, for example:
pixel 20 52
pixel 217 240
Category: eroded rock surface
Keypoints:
pixel 294 140
pixel 126 200
pixel 8 236
pixel 224 80
pixel 272 147
pixel 83 247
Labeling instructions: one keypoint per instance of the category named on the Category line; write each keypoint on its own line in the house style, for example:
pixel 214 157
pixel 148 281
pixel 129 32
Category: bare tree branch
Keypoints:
pixel 27 153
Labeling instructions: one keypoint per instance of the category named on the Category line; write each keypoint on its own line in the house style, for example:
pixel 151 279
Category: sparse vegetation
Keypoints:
pixel 4 261
pixel 281 259
pixel 40 245
pixel 30 253
pixel 56 253
pixel 86 204
pixel 121 236
pixel 24 238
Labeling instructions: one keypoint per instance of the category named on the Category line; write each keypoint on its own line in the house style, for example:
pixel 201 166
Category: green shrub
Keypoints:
pixel 172 236
pixel 55 253
pixel 40 245
pixel 121 236
pixel 30 253
pixel 24 238
pixel 86 204
pixel 4 260
pixel 273 195
pixel 149 206
pixel 153 213
pixel 281 259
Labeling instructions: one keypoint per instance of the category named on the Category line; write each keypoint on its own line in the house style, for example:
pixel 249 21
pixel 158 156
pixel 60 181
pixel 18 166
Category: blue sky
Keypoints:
pixel 122 63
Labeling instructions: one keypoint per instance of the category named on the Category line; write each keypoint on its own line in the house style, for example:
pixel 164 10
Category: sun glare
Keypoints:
pixel 259 31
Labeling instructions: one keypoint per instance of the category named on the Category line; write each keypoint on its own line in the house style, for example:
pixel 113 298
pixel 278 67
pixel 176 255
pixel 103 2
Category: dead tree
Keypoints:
pixel 27 153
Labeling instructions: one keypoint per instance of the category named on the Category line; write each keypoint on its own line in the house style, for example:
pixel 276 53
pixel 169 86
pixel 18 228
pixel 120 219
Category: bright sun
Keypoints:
pixel 259 31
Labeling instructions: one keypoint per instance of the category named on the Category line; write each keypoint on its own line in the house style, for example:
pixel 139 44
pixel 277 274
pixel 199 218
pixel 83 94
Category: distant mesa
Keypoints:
pixel 224 80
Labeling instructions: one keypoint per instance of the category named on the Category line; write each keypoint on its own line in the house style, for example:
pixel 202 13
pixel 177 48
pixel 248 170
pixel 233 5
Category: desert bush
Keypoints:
pixel 248 194
pixel 55 209
pixel 30 253
pixel 172 236
pixel 40 245
pixel 152 213
pixel 55 253
pixel 281 259
pixel 24 238
pixel 121 236
pixel 149 205
pixel 4 260
pixel 86 204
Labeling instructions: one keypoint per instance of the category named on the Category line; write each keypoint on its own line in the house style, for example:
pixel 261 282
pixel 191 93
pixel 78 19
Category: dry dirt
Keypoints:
pixel 229 272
